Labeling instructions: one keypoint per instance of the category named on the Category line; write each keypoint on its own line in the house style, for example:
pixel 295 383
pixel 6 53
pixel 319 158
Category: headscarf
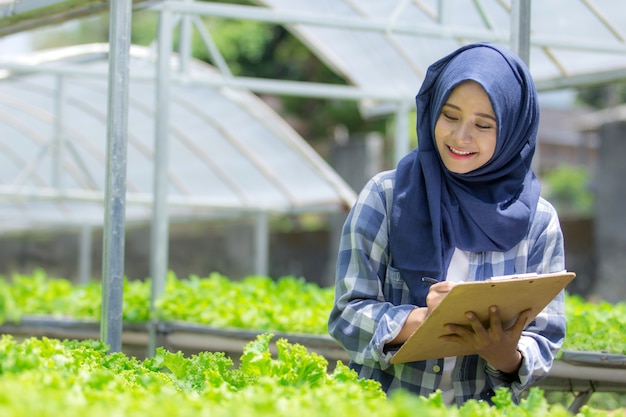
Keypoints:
pixel 488 209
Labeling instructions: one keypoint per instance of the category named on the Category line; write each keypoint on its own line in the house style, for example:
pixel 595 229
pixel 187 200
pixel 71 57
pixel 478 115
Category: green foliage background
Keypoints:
pixel 287 304
pixel 568 189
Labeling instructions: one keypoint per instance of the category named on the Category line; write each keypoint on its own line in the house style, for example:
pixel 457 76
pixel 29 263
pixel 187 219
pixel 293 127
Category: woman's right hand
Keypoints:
pixel 437 293
pixel 417 316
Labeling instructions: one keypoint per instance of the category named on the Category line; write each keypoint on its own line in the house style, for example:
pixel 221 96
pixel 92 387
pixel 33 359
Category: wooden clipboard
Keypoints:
pixel 512 294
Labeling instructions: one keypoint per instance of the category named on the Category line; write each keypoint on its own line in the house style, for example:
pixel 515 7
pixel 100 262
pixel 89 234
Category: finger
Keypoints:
pixel 442 287
pixel 437 292
pixel 495 322
pixel 522 321
pixel 453 338
pixel 458 334
pixel 477 326
pixel 460 331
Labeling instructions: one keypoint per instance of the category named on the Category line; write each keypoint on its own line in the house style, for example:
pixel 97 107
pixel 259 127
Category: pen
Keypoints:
pixel 429 280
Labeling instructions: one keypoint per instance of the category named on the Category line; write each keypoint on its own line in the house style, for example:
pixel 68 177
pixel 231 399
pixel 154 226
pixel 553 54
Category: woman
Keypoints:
pixel 464 206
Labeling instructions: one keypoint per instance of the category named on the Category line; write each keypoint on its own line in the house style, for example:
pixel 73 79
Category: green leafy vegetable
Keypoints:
pixel 595 326
pixel 287 304
pixel 48 377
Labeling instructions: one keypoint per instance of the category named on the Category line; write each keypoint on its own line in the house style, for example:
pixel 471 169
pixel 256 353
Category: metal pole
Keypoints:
pixel 262 244
pixel 59 133
pixel 401 132
pixel 185 42
pixel 84 254
pixel 115 192
pixel 160 226
pixel 520 44
pixel 520 29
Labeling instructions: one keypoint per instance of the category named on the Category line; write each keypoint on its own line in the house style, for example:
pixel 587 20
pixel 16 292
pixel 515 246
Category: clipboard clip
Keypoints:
pixel 513 276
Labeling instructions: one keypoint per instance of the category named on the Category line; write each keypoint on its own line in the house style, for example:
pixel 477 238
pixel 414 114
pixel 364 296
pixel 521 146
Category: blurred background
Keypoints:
pixel 278 112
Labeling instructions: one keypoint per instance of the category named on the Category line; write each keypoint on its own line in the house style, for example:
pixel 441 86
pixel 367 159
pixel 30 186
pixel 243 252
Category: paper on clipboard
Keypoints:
pixel 512 294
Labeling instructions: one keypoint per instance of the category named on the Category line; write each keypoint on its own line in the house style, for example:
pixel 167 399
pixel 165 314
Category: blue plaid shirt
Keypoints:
pixel 372 302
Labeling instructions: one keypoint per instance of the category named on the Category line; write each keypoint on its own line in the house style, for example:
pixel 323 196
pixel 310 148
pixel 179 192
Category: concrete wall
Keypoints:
pixel 580 255
pixel 195 248
pixel 610 213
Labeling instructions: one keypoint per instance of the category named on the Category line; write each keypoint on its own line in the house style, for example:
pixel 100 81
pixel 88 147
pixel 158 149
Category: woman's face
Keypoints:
pixel 466 129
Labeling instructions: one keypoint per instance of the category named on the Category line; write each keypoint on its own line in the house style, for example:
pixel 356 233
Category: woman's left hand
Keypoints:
pixel 498 346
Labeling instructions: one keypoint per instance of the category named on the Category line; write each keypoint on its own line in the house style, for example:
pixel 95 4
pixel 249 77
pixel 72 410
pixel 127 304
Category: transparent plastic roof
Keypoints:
pixel 389 44
pixel 228 151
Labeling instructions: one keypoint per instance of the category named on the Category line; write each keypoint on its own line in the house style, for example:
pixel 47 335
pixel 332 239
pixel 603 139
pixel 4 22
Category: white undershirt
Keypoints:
pixel 457 271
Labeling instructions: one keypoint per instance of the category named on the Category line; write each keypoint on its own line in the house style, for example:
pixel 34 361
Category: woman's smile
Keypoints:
pixel 458 153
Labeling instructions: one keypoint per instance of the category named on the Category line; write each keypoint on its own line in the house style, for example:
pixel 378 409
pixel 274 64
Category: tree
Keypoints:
pixel 603 96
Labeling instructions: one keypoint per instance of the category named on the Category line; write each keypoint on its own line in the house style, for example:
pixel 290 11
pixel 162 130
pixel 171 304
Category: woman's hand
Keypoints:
pixel 498 346
pixel 437 293
pixel 417 316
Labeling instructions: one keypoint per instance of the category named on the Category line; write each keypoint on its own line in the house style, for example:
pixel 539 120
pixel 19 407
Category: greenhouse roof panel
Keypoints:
pixel 391 43
pixel 228 151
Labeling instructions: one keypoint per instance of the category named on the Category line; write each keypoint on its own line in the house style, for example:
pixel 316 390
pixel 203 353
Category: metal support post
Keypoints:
pixel 115 192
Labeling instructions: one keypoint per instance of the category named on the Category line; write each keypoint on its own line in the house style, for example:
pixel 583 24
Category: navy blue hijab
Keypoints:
pixel 489 209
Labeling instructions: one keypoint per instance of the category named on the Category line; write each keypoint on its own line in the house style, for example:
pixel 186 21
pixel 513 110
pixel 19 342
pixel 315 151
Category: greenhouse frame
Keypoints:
pixel 160 104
